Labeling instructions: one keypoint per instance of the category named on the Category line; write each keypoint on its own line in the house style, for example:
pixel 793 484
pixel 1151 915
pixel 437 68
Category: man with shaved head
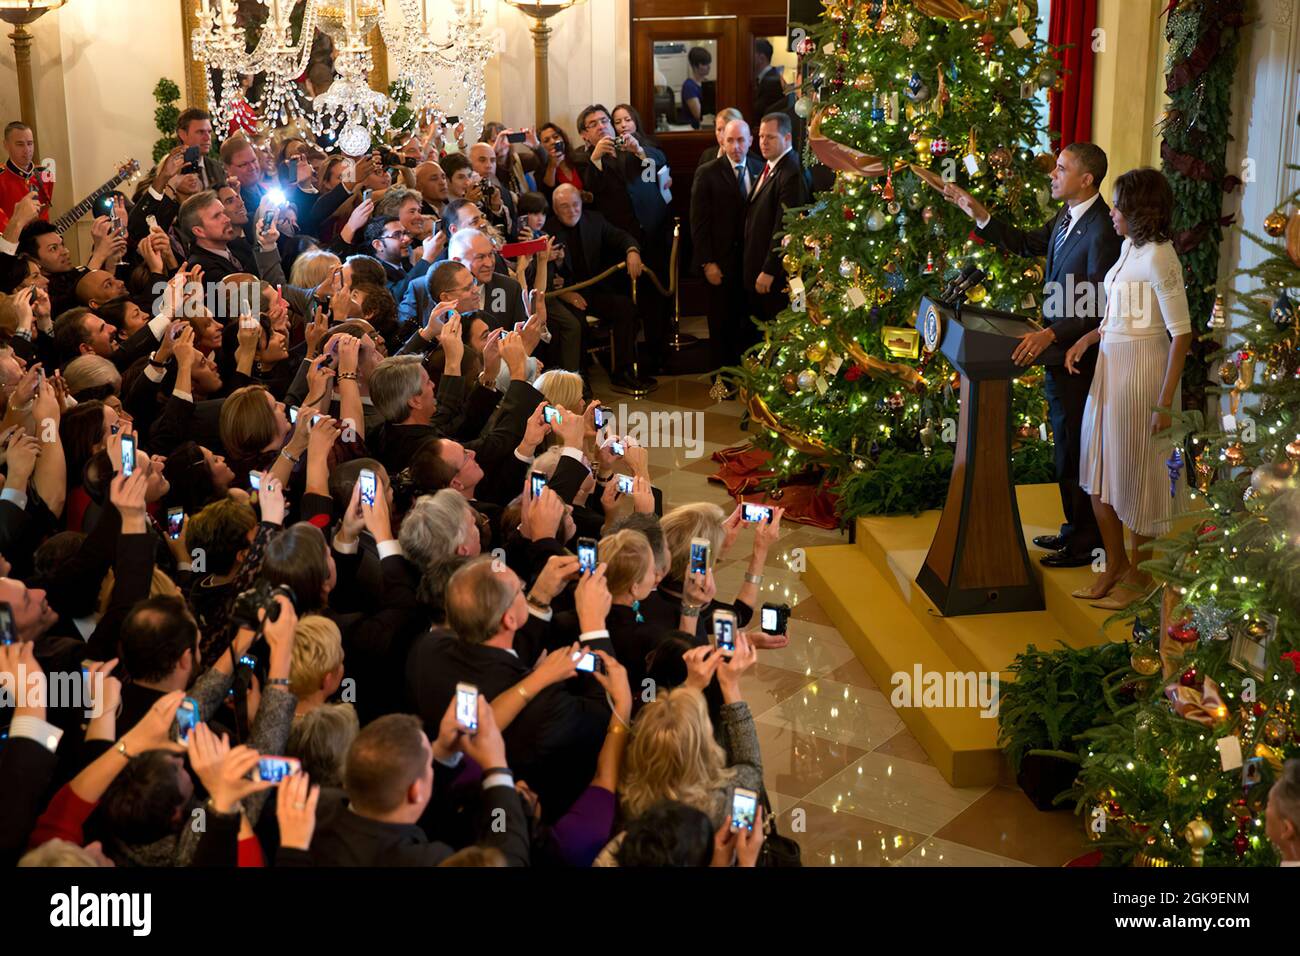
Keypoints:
pixel 431 181
pixel 719 199
pixel 498 201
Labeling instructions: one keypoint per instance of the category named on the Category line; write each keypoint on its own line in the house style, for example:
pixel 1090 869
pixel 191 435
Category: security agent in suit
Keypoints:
pixel 1081 245
pixel 769 91
pixel 780 186
pixel 719 204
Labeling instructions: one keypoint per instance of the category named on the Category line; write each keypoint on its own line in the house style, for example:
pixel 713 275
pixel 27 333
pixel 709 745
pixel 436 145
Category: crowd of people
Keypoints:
pixel 305 489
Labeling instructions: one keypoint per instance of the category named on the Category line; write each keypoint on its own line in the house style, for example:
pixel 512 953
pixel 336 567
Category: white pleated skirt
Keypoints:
pixel 1121 462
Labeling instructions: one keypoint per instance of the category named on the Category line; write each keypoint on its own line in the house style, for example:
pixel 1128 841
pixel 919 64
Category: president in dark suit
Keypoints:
pixel 1081 245
pixel 719 203
pixel 780 186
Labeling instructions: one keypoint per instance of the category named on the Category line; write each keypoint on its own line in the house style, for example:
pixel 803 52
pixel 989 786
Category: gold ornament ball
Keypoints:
pixel 922 146
pixel 790 383
pixel 1293 450
pixel 1228 372
pixel 791 263
pixel 859 465
pixel 1275 223
pixel 1000 158
pixel 1275 731
pixel 816 352
pixel 1270 479
pixel 1235 454
pixel 1033 273
pixel 1145 661
pixel 810 242
pixel 1199 834
pixel 977 294
pixel 807 379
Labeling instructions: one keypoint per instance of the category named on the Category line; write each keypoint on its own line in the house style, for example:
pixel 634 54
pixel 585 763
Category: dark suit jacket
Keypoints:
pixel 1087 255
pixel 603 244
pixel 718 212
pixel 26 771
pixel 344 838
pixel 785 188
pixel 769 97
pixel 609 187
pixel 553 742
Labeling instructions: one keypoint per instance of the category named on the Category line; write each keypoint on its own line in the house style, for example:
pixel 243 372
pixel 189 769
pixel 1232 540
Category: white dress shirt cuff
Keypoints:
pixel 541 615
pixel 17 496
pixel 453 761
pixel 526 459
pixel 7 247
pixel 499 780
pixel 586 636
pixel 981 223
pixel 346 547
pixel 158 324
pixel 155 374
pixel 388 548
pixel 33 728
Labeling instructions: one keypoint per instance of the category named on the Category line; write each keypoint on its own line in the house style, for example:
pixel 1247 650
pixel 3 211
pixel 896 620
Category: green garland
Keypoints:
pixel 1203 37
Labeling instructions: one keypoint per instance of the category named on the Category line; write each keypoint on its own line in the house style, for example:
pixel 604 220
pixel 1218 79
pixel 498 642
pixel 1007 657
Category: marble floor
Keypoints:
pixel 847 779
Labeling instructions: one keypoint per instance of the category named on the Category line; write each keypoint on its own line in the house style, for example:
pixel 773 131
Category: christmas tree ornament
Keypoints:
pixel 1293 450
pixel 1284 312
pixel 1144 660
pixel 1269 479
pixel 816 351
pixel 895 208
pixel 1000 158
pixel 895 401
pixel 915 201
pixel 929 267
pixel 1189 677
pixel 1234 454
pixel 928 437
pixel 1219 315
pixel 875 220
pixel 887 190
pixel 1253 500
pixel 848 268
pixel 1275 223
pixel 849 214
pixel 1210 620
pixel 977 294
pixel 922 146
pixel 986 42
pixel 1228 372
pixel 927 215
pixel 791 264
pixel 718 391
pixel 1175 466
pixel 1276 732
pixel 790 383
pixel 1198 835
pixel 909 37
pixel 1240 844
pixel 939 147
pixel 806 379
pixel 803 107
pixel 1047 77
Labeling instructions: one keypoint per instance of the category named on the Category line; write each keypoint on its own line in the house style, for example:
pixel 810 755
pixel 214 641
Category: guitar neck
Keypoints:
pixel 70 218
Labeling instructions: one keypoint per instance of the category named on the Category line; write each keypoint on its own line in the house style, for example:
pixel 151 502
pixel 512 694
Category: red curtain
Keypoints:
pixel 1071 24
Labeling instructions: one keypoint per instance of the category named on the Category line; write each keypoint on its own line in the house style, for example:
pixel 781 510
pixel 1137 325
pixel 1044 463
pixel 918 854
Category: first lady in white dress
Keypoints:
pixel 1143 339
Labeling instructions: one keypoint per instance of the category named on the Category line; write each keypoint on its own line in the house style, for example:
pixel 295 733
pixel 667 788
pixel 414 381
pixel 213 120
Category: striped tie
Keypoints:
pixel 1060 236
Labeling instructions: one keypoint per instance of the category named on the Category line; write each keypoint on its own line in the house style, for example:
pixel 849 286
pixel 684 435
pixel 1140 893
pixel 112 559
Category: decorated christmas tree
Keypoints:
pixel 902 95
pixel 1215 664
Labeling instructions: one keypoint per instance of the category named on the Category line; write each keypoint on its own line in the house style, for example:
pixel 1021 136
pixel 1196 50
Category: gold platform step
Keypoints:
pixel 869 591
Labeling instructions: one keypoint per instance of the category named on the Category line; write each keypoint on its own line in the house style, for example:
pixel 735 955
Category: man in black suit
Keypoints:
pixel 554 739
pixel 393 772
pixel 769 90
pixel 719 203
pixel 1081 245
pixel 591 245
pixel 779 187
pixel 214 243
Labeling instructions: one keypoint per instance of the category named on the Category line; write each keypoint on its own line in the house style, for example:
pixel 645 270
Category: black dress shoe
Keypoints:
pixel 1051 542
pixel 1065 559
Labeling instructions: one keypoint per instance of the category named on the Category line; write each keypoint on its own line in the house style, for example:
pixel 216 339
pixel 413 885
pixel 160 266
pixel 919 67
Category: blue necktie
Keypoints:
pixel 1060 236
pixel 740 179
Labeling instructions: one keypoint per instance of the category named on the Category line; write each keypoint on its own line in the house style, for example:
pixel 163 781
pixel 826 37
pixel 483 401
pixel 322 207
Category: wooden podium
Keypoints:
pixel 977 563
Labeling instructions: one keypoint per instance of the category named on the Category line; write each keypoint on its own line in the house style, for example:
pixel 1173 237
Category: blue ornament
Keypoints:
pixel 915 83
pixel 1175 466
pixel 1283 312
pixel 877 114
pixel 895 280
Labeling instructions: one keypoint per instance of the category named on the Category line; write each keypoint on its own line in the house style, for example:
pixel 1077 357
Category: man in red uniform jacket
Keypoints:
pixel 20 175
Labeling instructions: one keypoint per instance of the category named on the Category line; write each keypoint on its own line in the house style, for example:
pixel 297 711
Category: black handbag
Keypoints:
pixel 777 850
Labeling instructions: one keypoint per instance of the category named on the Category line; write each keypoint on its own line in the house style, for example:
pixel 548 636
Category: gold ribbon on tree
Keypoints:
pixel 799 441
pixel 1204 706
pixel 875 367
pixel 946 9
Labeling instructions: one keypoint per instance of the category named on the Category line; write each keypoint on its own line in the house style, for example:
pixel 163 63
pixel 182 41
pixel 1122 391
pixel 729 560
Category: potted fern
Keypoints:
pixel 1057 695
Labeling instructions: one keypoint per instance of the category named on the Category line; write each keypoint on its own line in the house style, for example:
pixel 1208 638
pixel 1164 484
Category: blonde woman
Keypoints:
pixel 1143 340
pixel 316 671
pixel 674 755
pixel 705 520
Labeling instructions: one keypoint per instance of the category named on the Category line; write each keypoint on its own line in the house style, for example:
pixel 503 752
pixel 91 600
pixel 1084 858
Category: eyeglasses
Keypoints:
pixel 593 125
pixel 399 234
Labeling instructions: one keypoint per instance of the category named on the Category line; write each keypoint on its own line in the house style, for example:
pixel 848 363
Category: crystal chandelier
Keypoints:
pixel 349 109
